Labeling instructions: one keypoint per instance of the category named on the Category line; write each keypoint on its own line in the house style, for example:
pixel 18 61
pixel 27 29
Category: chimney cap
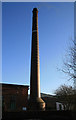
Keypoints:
pixel 35 9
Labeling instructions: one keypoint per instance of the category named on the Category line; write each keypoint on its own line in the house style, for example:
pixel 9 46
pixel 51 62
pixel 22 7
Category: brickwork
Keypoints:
pixel 14 97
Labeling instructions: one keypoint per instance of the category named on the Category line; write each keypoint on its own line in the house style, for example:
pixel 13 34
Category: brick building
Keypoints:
pixel 51 101
pixel 14 97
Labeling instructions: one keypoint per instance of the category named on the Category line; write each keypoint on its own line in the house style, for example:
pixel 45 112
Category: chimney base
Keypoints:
pixel 36 104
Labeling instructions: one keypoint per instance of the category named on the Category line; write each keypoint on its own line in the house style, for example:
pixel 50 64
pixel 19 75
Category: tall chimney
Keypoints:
pixel 35 102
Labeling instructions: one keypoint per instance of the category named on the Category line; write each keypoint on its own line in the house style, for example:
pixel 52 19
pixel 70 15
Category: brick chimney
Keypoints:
pixel 35 101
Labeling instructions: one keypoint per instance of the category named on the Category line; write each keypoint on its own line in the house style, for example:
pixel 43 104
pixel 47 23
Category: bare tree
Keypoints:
pixel 67 96
pixel 69 64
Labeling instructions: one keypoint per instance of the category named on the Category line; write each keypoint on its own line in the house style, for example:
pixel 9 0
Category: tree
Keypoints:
pixel 67 96
pixel 69 64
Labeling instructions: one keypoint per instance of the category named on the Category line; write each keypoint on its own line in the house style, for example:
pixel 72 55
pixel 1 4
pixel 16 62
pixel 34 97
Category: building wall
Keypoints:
pixel 59 106
pixel 14 97
pixel 50 102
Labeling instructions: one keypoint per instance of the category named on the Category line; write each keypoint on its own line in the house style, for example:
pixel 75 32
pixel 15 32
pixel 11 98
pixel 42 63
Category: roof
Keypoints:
pixel 4 84
pixel 46 95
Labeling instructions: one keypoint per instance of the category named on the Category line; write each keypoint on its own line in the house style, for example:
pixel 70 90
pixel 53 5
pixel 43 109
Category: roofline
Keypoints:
pixel 14 84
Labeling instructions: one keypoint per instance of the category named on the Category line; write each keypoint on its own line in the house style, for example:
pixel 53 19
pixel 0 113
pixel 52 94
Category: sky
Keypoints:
pixel 56 28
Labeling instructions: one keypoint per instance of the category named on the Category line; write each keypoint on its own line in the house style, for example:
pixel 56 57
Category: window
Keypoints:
pixel 13 103
pixel 24 108
pixel 60 107
pixel 3 104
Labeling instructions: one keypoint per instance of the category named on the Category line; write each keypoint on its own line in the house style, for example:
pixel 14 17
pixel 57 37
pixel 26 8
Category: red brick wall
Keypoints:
pixel 17 93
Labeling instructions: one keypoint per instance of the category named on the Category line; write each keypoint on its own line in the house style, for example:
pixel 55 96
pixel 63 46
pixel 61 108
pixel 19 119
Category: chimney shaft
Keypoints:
pixel 35 101
pixel 35 67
